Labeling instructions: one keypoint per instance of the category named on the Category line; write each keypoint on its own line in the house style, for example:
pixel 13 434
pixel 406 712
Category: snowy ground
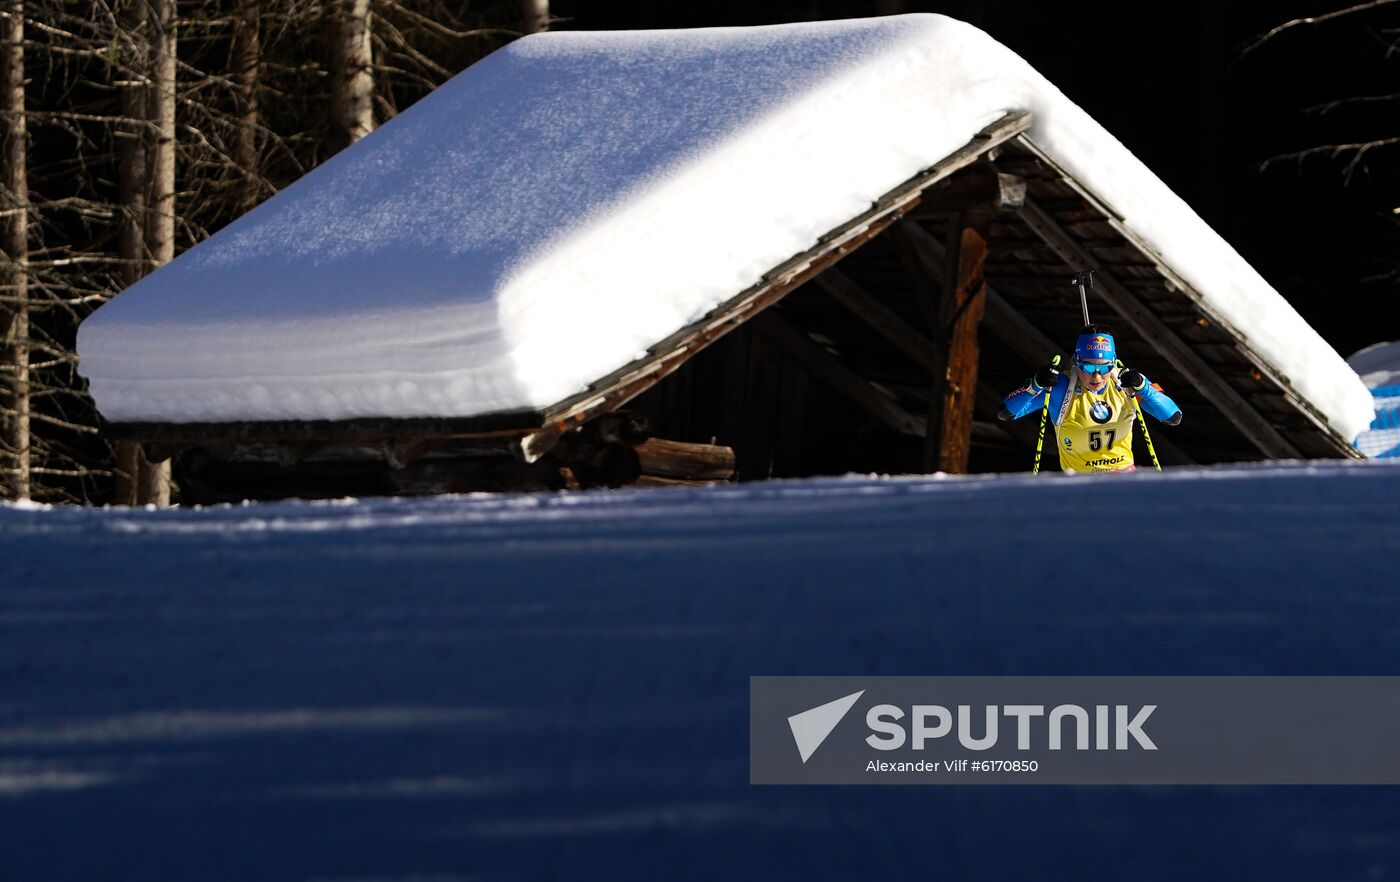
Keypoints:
pixel 555 686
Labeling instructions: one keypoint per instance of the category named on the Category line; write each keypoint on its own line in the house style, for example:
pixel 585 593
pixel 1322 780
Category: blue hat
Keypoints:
pixel 1095 346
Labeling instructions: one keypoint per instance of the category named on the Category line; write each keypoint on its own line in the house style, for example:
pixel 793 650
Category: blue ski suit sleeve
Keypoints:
pixel 1030 398
pixel 1157 403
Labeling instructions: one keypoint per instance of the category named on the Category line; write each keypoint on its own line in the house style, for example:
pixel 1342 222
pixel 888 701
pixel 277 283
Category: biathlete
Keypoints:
pixel 1092 405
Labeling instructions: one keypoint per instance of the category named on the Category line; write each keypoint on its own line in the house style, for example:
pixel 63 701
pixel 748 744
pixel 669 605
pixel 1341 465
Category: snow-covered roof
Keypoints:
pixel 546 216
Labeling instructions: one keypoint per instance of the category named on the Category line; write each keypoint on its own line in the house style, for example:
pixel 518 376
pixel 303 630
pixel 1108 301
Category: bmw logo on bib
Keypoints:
pixel 1100 412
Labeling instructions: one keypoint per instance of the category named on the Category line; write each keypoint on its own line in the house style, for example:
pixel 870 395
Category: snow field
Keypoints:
pixel 555 685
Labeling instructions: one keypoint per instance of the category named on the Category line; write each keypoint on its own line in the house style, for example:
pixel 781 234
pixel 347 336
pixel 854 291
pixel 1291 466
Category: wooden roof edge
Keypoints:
pixel 662 359
pixel 1343 446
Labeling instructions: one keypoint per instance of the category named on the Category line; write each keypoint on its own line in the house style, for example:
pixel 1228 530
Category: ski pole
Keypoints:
pixel 1044 412
pixel 1084 280
pixel 1147 436
pixel 1040 439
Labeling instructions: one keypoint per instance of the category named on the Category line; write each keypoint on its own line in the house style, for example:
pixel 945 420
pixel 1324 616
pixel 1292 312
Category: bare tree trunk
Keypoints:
pixel 160 218
pixel 131 148
pixel 352 78
pixel 146 184
pixel 132 192
pixel 247 55
pixel 16 244
pixel 154 484
pixel 536 15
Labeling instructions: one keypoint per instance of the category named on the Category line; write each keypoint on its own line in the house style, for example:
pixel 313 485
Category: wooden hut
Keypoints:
pixel 886 346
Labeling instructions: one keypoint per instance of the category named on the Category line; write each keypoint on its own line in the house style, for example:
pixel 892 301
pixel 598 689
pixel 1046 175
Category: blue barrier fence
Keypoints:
pixel 1382 440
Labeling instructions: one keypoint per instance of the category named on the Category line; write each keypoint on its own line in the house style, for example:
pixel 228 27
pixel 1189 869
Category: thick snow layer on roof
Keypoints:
pixel 547 215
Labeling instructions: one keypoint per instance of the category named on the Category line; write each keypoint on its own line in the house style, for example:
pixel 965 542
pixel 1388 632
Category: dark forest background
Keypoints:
pixel 135 128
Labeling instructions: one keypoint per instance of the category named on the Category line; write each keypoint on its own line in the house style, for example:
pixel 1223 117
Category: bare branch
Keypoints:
pixel 1333 151
pixel 1328 106
pixel 1312 19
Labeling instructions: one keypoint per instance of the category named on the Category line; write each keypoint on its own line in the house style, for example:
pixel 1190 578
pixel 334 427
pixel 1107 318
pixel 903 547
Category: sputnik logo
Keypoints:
pixel 811 727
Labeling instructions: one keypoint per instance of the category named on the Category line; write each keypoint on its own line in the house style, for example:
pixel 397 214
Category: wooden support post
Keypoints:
pixel 955 316
pixel 963 303
pixel 1234 406
pixel 943 312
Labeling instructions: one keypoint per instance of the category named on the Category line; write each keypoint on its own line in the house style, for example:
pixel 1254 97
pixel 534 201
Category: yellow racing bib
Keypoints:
pixel 1097 433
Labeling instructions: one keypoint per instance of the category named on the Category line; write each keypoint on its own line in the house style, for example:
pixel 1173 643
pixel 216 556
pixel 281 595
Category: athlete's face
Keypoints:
pixel 1092 382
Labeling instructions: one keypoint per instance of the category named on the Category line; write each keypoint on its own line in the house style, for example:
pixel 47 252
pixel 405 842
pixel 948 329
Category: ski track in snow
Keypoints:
pixel 554 686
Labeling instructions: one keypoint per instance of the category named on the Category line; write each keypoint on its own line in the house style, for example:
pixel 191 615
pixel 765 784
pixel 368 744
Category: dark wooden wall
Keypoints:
pixel 744 392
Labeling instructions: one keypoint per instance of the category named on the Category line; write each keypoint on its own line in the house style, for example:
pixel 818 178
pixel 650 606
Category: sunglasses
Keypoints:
pixel 1095 368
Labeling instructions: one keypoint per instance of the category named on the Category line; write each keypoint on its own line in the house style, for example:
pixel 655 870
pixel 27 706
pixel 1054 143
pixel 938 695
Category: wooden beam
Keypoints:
pixel 827 368
pixel 922 281
pixel 972 191
pixel 904 337
pixel 1017 332
pixel 916 346
pixel 1024 338
pixel 1145 322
